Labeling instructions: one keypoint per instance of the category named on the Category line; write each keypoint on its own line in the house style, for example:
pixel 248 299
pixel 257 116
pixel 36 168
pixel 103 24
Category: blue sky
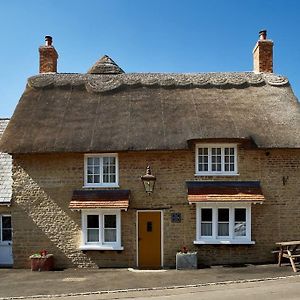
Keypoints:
pixel 144 36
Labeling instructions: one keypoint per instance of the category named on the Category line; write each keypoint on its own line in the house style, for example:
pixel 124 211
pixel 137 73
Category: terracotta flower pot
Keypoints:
pixel 43 263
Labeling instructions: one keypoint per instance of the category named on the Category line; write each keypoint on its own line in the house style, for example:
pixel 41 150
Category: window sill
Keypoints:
pixel 216 174
pixel 101 247
pixel 224 242
pixel 101 186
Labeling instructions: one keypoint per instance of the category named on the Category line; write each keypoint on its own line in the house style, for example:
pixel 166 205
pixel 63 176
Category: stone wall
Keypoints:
pixel 43 185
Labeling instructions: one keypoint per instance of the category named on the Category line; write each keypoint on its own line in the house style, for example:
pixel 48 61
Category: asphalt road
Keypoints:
pixel 287 289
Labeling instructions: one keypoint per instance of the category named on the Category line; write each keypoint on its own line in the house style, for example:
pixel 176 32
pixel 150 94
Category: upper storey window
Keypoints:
pixel 216 159
pixel 101 170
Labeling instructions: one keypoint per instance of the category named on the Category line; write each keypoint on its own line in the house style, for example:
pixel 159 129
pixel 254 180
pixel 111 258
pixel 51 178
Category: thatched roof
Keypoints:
pixel 101 113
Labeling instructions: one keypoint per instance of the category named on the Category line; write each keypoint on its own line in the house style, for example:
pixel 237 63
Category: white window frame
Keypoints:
pixel 101 245
pixel 101 184
pixel 231 239
pixel 213 173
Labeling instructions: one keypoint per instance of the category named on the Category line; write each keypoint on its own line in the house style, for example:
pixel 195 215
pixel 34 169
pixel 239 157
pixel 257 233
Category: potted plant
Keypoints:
pixel 42 261
pixel 186 259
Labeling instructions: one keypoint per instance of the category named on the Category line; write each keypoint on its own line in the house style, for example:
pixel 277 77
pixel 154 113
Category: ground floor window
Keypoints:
pixel 221 223
pixel 101 229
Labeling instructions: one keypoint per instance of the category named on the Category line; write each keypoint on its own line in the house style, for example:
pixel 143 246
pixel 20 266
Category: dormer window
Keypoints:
pixel 216 159
pixel 101 170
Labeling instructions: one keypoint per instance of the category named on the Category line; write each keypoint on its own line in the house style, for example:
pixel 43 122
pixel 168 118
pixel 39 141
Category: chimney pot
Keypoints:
pixel 263 35
pixel 48 40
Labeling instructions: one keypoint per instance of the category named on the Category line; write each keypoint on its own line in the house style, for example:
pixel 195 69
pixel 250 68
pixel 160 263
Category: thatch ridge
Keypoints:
pixel 107 82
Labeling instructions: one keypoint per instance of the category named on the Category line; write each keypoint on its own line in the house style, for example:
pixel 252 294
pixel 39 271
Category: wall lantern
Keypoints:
pixel 149 181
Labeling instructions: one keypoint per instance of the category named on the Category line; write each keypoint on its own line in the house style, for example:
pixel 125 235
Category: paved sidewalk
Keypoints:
pixel 16 283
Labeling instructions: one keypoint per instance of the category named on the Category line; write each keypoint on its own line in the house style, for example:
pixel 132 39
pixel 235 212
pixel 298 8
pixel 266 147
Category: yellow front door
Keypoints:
pixel 149 240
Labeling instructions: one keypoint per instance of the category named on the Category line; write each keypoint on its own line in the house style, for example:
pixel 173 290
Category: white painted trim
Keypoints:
pixel 216 173
pixel 92 185
pixel 215 239
pixel 161 234
pixel 101 184
pixel 101 245
pixel 223 242
pixel 95 247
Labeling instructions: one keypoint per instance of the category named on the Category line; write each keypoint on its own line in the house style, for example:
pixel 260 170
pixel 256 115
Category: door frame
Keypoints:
pixel 7 243
pixel 161 234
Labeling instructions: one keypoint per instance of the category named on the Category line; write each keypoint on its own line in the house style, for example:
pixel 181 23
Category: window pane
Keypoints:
pixel 206 214
pixel 105 161
pixel 6 234
pixel 93 235
pixel 112 160
pixel 6 222
pixel 96 161
pixel 110 221
pixel 93 221
pixel 112 178
pixel 206 229
pixel 90 179
pixel 223 229
pixel 90 170
pixel 223 215
pixel 240 215
pixel 97 170
pixel 96 178
pixel 110 235
pixel 240 228
pixel 90 161
pixel 105 178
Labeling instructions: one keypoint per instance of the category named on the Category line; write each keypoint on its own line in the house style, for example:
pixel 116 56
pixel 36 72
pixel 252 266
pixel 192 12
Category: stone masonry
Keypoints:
pixel 43 186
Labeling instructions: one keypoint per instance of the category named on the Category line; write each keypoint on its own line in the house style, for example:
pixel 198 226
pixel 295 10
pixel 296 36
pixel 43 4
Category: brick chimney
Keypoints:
pixel 48 57
pixel 263 54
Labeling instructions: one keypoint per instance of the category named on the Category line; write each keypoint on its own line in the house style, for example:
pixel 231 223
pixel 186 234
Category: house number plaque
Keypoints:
pixel 176 217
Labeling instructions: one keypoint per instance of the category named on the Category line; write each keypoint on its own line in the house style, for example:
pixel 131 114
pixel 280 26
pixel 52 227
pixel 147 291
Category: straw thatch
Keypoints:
pixel 101 113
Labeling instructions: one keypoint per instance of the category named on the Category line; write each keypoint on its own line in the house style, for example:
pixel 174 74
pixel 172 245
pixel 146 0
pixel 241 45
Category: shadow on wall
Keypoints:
pixel 41 223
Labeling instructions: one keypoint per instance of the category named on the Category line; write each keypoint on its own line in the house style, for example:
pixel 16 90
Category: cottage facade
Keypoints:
pixel 224 148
